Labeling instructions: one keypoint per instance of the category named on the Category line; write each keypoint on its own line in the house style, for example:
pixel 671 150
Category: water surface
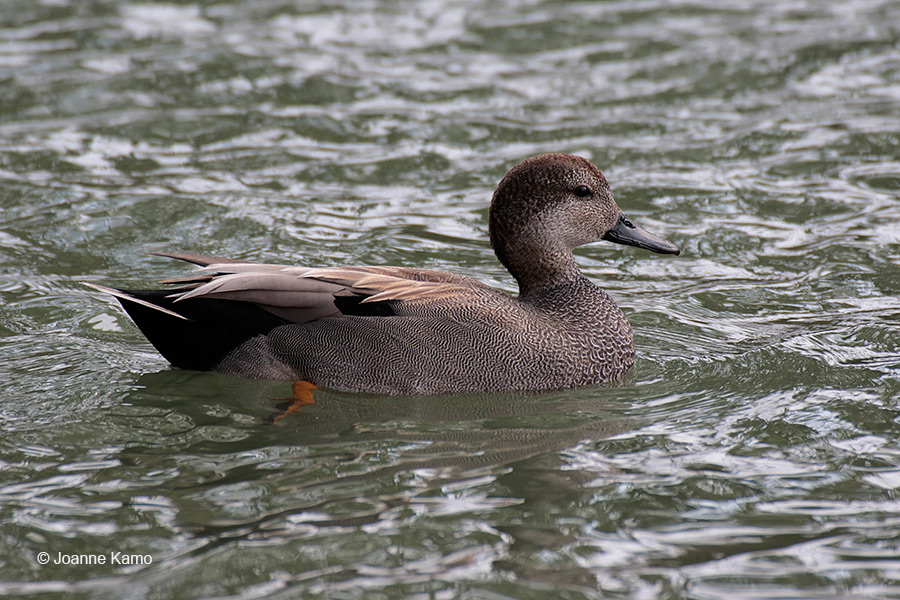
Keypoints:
pixel 752 453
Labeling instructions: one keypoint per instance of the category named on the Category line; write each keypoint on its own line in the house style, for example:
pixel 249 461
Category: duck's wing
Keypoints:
pixel 303 294
pixel 198 259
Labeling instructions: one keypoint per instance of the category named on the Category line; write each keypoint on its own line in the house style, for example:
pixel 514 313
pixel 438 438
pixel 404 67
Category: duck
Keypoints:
pixel 392 330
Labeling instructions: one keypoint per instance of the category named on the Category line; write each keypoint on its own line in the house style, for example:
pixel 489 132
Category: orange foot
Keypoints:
pixel 301 395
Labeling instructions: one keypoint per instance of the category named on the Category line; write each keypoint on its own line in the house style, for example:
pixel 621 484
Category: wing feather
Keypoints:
pixel 302 294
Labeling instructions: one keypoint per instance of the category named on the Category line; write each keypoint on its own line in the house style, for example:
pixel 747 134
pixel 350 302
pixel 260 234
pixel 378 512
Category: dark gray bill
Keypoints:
pixel 626 232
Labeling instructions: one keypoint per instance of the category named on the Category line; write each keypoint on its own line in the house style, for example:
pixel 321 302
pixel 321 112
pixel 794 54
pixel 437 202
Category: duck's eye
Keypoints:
pixel 582 191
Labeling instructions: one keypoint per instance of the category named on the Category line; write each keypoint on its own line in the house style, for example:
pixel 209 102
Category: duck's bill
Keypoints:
pixel 626 232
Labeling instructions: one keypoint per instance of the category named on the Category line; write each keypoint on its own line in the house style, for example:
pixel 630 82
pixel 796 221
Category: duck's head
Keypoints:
pixel 549 204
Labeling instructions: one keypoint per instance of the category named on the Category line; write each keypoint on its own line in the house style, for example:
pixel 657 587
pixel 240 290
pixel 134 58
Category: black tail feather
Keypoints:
pixel 209 330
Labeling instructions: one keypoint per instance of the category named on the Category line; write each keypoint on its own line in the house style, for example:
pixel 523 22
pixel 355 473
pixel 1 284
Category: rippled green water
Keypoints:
pixel 754 451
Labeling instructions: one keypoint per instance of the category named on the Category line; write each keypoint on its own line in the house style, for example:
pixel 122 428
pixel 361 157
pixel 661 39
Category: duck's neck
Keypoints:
pixel 539 265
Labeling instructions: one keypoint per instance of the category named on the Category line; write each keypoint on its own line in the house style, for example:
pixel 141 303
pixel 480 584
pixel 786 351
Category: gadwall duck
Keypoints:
pixel 398 330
